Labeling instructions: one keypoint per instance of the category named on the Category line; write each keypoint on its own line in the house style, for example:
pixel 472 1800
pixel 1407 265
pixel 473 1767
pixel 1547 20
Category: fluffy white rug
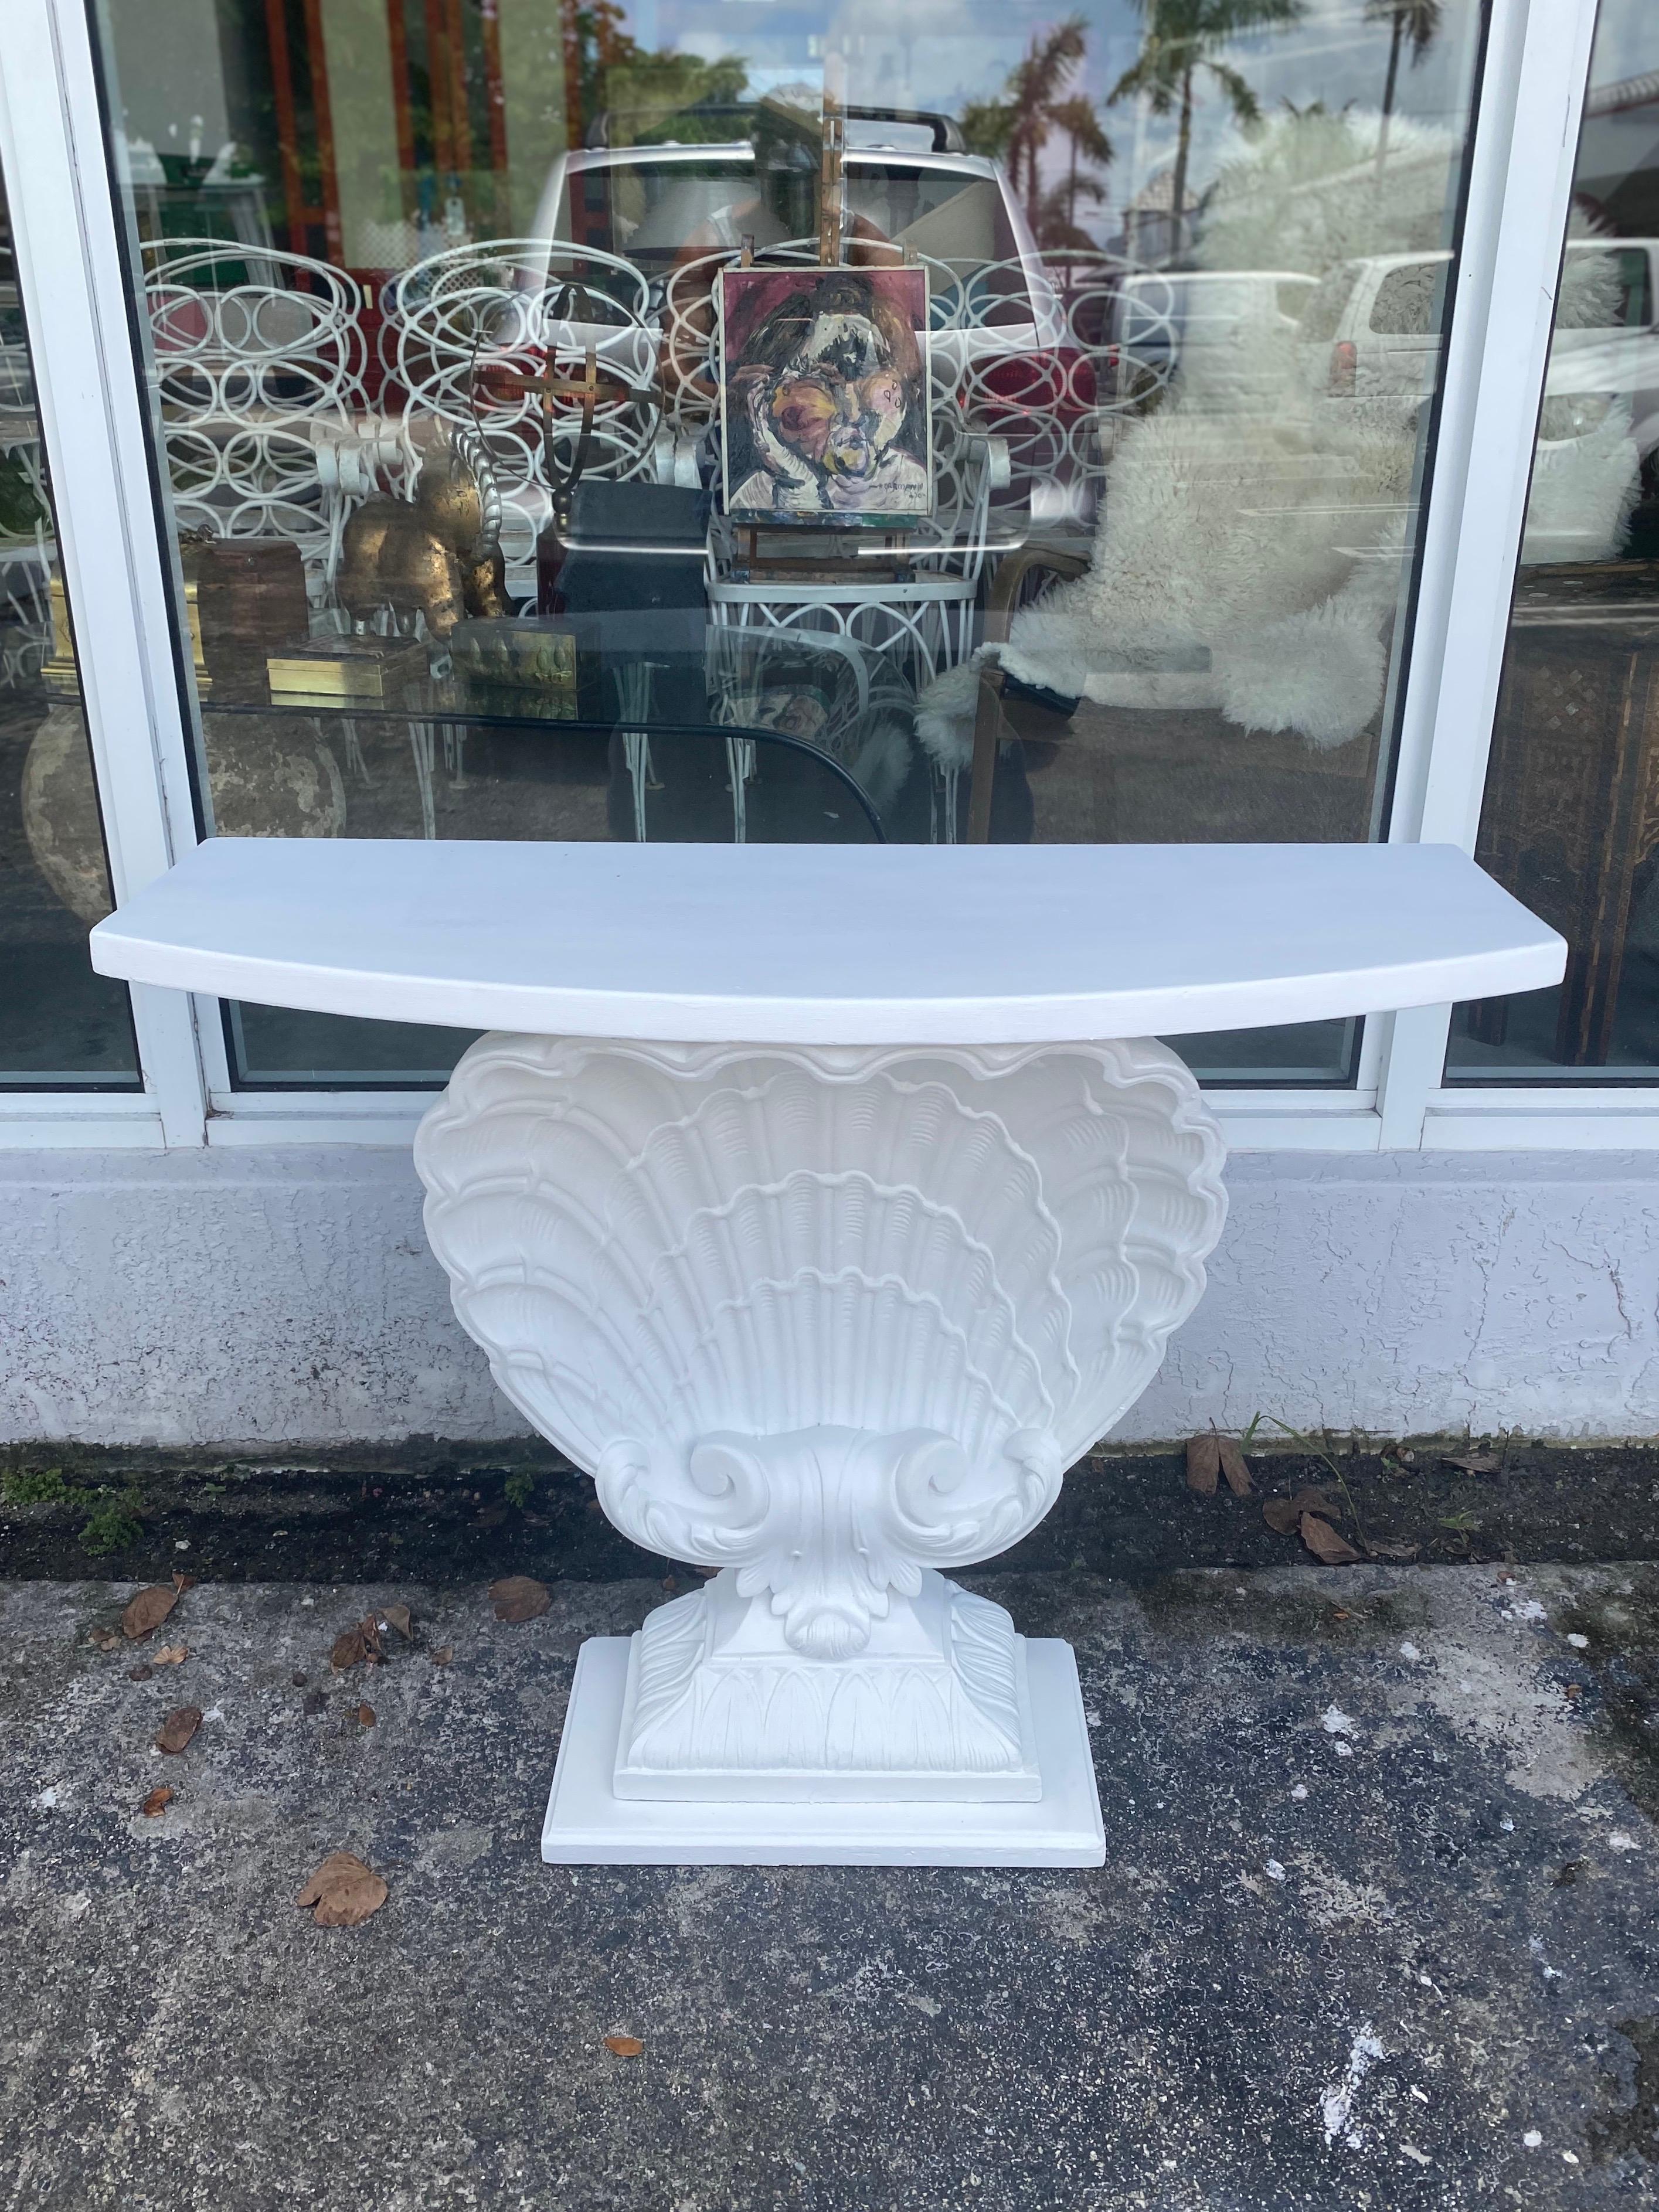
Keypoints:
pixel 1253 534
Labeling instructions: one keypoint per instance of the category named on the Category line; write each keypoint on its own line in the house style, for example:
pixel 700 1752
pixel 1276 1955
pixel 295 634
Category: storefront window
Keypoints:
pixel 60 1025
pixel 797 423
pixel 1570 821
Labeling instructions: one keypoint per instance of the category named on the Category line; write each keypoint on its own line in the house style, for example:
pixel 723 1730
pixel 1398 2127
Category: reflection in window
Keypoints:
pixel 1570 821
pixel 817 422
pixel 60 1025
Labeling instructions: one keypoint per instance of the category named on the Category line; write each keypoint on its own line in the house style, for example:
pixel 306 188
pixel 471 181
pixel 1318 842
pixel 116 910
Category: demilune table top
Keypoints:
pixel 842 945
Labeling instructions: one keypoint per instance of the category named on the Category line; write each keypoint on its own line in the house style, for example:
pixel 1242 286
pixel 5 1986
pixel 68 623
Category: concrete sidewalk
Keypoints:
pixel 1378 1925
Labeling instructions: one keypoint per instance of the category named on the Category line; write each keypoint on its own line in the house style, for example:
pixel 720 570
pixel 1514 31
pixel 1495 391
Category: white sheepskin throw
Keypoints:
pixel 883 759
pixel 945 717
pixel 1253 531
pixel 1583 491
pixel 1247 537
pixel 1253 520
pixel 1320 672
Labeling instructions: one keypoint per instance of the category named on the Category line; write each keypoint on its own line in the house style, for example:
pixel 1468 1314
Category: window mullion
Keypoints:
pixel 69 275
pixel 1520 189
pixel 1520 196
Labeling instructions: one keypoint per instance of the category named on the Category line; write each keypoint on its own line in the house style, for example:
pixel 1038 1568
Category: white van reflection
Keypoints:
pixel 1373 330
pixel 679 211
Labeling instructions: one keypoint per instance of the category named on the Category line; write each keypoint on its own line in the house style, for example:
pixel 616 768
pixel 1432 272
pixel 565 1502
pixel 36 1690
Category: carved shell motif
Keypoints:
pixel 660 1244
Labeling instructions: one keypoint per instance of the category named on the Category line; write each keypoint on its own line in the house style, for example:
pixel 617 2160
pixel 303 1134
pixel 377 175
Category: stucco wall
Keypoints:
pixel 288 1297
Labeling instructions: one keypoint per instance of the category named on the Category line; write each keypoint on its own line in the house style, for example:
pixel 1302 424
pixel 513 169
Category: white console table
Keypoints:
pixel 826 1203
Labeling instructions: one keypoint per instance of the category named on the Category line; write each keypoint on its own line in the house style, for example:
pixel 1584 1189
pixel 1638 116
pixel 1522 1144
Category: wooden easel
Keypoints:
pixel 834 153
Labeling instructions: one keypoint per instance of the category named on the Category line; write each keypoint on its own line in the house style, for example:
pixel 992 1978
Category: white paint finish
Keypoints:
pixel 1427 1293
pixel 172 1297
pixel 664 1247
pixel 1251 1121
pixel 1529 214
pixel 1528 1121
pixel 287 1297
pixel 31 1123
pixel 839 944
pixel 1597 1118
pixel 69 276
pixel 826 1318
pixel 588 1824
pixel 935 1704
pixel 1536 63
pixel 94 428
pixel 1415 1055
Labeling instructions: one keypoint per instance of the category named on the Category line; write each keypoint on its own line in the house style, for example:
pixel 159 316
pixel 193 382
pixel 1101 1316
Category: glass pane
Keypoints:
pixel 1570 821
pixel 60 1025
pixel 679 420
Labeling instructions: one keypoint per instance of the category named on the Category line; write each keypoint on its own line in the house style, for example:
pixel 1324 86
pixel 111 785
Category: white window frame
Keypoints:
pixel 64 220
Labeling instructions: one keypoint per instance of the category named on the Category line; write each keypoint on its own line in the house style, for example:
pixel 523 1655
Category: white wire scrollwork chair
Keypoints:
pixel 259 359
pixel 471 334
pixel 1030 349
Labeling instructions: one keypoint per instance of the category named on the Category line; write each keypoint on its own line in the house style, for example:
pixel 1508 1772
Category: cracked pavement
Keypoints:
pixel 1376 1925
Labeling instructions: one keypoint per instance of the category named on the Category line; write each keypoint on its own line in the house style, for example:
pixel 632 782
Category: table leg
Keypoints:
pixel 423 746
pixel 826 1319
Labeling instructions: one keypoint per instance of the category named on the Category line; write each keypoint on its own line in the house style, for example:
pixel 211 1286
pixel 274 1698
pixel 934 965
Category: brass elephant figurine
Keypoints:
pixel 438 555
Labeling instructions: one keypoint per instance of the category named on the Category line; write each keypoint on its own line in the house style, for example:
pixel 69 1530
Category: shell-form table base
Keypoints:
pixel 587 1824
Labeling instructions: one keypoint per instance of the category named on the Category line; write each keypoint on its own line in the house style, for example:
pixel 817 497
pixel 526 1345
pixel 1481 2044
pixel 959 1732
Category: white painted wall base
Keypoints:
pixel 286 1297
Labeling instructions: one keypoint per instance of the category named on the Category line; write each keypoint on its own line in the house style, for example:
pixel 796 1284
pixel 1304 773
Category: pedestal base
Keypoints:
pixel 588 1825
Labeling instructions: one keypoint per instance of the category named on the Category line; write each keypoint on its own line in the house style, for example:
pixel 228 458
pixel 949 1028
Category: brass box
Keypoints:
pixel 369 669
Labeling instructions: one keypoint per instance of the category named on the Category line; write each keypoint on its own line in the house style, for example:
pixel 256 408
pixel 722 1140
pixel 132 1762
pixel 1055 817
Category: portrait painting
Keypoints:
pixel 824 396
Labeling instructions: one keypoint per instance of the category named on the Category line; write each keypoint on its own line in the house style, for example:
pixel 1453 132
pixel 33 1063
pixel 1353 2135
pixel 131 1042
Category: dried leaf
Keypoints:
pixel 177 1729
pixel 624 2046
pixel 519 1597
pixel 1235 1467
pixel 1285 1514
pixel 107 1640
pixel 443 1655
pixel 1389 1547
pixel 141 1673
pixel 172 1655
pixel 1204 1463
pixel 366 1715
pixel 182 1582
pixel 1309 1500
pixel 157 1802
pixel 145 1613
pixel 343 1891
pixel 1473 1462
pixel 348 1650
pixel 1324 1541
pixel 397 1617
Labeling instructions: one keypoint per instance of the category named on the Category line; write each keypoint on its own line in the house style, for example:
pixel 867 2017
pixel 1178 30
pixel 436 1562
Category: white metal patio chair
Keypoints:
pixel 255 354
pixel 469 334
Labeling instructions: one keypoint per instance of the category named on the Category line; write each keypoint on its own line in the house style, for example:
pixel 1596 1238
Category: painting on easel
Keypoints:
pixel 824 396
